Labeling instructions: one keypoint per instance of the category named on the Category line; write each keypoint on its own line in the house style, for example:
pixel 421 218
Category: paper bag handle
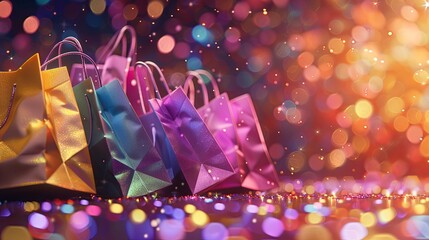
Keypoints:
pixel 189 84
pixel 161 76
pixel 75 43
pixel 83 55
pixel 116 39
pixel 141 82
pixel 212 80
pixel 9 108
pixel 45 65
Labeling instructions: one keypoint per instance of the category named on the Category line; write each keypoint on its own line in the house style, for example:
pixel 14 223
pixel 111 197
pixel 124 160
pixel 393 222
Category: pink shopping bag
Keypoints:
pixel 255 168
pixel 201 159
pixel 218 116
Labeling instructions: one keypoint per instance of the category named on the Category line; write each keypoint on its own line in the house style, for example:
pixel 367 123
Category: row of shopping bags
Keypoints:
pixel 105 129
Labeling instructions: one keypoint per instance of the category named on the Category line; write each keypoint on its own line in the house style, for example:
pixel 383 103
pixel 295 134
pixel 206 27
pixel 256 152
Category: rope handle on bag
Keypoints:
pixel 189 84
pixel 140 82
pixel 75 43
pixel 203 72
pixel 116 39
pixel 83 55
pixel 189 88
pixel 9 108
pixel 74 53
pixel 161 75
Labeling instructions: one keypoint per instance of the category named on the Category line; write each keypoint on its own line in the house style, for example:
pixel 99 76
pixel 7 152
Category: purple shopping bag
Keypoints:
pixel 218 116
pixel 150 120
pixel 256 169
pixel 201 159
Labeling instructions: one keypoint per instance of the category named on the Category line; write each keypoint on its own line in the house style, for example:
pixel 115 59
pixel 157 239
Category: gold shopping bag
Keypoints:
pixel 43 148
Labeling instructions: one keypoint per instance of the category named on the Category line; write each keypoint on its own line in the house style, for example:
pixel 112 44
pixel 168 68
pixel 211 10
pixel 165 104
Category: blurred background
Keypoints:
pixel 340 86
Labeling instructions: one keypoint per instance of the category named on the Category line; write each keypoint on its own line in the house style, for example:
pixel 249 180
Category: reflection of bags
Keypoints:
pixel 42 141
pixel 137 165
pixel 255 167
pixel 200 158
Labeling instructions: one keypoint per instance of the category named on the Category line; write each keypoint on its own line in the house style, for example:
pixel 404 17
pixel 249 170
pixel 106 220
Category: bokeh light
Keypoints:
pixel 31 24
pixel 166 44
pixel 155 9
pixel 5 9
pixel 130 12
pixel 97 6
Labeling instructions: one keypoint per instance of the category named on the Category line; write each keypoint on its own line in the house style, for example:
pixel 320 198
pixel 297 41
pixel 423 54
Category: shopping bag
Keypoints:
pixel 106 184
pixel 202 161
pixel 137 165
pixel 152 124
pixel 42 142
pixel 217 114
pixel 256 169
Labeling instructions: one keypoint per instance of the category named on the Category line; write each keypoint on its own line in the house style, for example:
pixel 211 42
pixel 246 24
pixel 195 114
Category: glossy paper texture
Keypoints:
pixel 259 172
pixel 63 160
pixel 202 161
pixel 137 165
pixel 217 114
pixel 106 183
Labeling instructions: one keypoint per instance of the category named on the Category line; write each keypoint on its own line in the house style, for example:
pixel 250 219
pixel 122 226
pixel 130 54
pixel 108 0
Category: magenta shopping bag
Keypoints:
pixel 255 168
pixel 218 116
pixel 201 159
